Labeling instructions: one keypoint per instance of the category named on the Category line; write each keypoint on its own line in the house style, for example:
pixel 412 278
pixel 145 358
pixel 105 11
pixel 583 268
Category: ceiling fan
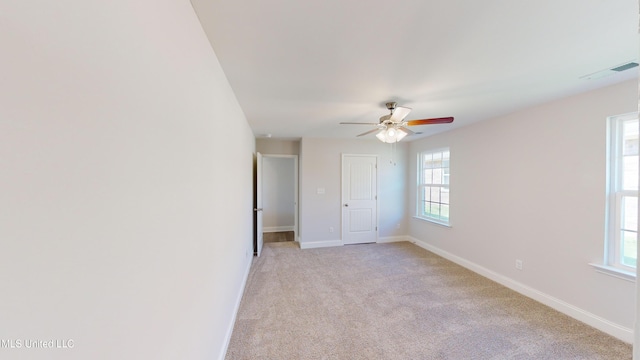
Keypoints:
pixel 393 128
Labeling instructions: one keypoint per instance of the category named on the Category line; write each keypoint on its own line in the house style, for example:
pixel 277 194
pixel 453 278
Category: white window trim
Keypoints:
pixel 418 215
pixel 615 272
pixel 434 221
pixel 611 261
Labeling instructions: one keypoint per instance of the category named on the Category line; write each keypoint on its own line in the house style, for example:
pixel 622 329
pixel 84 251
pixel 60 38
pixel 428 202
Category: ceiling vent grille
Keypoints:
pixel 614 70
pixel 624 67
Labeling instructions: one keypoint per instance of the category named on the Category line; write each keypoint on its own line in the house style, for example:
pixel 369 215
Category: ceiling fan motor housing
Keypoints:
pixel 391 106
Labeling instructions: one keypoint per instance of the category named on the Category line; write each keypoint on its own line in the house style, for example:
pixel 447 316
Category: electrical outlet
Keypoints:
pixel 330 229
pixel 519 264
pixel 398 226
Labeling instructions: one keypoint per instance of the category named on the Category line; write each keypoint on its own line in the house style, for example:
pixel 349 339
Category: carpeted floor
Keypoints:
pixel 396 301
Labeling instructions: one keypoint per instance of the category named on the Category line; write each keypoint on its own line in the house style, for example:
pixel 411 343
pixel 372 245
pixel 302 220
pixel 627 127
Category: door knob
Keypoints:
pixel 346 205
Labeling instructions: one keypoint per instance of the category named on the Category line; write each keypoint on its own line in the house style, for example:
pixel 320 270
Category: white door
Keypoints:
pixel 359 199
pixel 258 209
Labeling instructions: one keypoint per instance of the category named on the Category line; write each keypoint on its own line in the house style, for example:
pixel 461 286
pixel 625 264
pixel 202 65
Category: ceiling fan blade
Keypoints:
pixel 399 113
pixel 357 123
pixel 409 132
pixel 443 120
pixel 368 132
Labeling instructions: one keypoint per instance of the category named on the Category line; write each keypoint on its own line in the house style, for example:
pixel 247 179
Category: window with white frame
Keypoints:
pixel 433 186
pixel 622 209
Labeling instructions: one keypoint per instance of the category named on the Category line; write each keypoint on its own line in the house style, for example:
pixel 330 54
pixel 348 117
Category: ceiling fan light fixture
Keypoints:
pixel 391 135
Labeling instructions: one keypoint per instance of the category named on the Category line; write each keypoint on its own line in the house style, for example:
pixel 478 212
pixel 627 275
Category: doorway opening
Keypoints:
pixel 280 197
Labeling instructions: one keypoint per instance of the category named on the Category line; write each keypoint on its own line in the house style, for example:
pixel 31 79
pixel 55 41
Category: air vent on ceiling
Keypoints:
pixel 614 70
pixel 626 66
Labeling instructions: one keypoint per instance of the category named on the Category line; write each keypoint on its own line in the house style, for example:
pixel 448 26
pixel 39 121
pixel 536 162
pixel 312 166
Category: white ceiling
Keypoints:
pixel 298 68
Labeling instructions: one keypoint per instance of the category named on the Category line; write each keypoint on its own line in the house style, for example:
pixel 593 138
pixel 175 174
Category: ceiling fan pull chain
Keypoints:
pixel 393 154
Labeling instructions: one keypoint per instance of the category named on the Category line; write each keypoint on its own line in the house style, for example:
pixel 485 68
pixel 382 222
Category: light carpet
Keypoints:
pixel 396 301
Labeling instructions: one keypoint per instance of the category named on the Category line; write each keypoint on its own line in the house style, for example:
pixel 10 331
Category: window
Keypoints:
pixel 433 186
pixel 622 209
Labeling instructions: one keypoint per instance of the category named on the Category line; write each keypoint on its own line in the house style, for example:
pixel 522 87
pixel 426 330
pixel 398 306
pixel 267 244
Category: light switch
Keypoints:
pixel 320 191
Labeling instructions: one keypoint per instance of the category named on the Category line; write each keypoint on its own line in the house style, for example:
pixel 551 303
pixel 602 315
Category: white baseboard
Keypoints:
pixel 319 244
pixel 388 239
pixel 330 243
pixel 277 229
pixel 227 338
pixel 613 329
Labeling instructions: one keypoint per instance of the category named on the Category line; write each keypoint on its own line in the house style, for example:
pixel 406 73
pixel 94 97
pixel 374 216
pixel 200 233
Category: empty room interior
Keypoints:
pixel 211 179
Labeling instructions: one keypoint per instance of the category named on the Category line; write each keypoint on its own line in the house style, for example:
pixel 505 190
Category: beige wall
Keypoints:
pixel 531 186
pixel 125 220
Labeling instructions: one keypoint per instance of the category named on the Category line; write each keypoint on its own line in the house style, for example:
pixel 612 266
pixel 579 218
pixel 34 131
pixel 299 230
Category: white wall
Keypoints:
pixel 531 186
pixel 636 334
pixel 278 193
pixel 320 167
pixel 125 220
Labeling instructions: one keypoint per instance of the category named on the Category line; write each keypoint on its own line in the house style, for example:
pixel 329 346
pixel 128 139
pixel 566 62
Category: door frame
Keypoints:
pixel 295 188
pixel 257 222
pixel 342 200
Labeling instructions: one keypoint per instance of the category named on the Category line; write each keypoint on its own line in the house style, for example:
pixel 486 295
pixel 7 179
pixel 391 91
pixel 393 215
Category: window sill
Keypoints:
pixel 615 272
pixel 433 221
